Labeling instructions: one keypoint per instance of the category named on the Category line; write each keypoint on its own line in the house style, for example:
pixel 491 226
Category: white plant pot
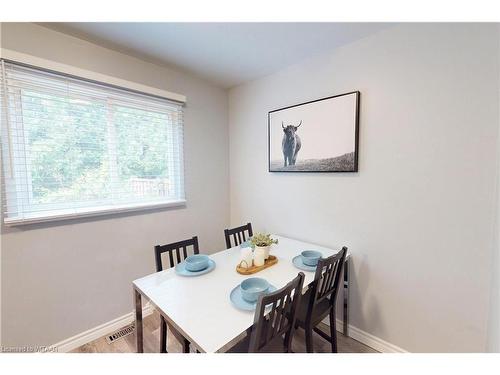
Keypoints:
pixel 265 250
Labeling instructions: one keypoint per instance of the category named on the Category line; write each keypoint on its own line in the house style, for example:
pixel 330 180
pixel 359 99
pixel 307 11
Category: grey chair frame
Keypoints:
pixel 240 234
pixel 326 284
pixel 177 252
pixel 275 316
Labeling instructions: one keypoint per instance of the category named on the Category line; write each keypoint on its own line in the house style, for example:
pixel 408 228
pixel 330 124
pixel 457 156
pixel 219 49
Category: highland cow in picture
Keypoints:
pixel 291 143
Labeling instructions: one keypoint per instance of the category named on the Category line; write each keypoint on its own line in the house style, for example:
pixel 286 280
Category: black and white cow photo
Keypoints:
pixel 317 136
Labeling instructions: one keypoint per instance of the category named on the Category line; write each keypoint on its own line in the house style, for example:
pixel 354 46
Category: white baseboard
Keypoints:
pixel 368 339
pixel 99 331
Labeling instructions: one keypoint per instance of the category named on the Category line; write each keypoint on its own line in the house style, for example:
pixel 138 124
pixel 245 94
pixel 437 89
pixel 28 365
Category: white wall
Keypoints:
pixel 418 217
pixel 61 279
pixel 494 318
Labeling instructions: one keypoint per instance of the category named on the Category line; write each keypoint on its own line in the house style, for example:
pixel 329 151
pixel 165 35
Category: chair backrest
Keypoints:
pixel 275 316
pixel 177 252
pixel 239 234
pixel 327 278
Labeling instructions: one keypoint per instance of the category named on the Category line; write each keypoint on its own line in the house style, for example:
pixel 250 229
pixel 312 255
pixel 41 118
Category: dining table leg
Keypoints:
pixel 138 321
pixel 346 298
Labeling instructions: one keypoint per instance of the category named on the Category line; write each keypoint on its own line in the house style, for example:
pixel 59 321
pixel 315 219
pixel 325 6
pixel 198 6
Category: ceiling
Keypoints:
pixel 226 54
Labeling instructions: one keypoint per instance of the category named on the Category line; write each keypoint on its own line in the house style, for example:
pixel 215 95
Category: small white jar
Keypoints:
pixel 246 257
pixel 259 256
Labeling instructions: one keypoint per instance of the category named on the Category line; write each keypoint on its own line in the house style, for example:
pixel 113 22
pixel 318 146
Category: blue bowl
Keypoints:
pixel 252 288
pixel 310 257
pixel 196 262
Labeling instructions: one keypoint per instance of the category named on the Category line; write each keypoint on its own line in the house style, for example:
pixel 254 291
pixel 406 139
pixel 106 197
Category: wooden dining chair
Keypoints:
pixel 320 300
pixel 239 234
pixel 177 252
pixel 274 321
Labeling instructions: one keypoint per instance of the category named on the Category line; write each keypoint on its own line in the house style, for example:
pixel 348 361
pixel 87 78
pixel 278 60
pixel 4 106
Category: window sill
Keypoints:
pixel 75 213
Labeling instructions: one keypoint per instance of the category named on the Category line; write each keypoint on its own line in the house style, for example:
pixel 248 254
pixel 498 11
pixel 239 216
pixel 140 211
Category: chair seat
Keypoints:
pixel 319 312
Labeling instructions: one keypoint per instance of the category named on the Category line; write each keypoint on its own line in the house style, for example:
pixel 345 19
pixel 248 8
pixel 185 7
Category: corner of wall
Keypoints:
pixel 0 231
pixel 228 153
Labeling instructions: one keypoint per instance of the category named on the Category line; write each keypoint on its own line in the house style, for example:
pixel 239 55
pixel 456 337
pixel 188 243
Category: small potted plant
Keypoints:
pixel 262 243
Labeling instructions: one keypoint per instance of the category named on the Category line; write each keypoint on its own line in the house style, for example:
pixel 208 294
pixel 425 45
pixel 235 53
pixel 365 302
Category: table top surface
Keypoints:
pixel 199 307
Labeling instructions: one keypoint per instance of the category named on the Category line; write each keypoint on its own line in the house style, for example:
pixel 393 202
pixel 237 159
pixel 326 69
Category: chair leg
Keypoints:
pixel 163 335
pixel 288 340
pixel 333 330
pixel 309 339
pixel 185 346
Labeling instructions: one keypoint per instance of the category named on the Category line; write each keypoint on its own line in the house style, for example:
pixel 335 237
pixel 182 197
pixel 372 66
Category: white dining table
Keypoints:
pixel 199 307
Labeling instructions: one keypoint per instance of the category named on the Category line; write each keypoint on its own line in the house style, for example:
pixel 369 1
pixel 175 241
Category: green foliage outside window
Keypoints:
pixel 87 150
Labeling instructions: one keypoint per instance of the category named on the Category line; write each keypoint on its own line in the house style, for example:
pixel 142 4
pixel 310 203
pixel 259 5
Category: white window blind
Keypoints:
pixel 72 147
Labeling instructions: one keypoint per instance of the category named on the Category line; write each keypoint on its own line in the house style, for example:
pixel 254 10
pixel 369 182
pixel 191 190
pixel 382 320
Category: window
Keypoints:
pixel 72 147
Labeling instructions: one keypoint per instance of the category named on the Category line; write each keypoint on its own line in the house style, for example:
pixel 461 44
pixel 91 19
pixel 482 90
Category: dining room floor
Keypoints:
pixel 152 343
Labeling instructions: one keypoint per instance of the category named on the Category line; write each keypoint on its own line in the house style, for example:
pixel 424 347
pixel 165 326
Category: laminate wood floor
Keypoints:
pixel 152 342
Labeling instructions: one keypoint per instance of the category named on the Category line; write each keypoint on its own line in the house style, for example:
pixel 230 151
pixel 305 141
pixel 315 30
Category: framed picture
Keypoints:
pixel 317 136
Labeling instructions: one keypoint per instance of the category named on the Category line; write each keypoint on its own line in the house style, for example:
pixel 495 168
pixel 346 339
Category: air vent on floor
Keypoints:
pixel 122 332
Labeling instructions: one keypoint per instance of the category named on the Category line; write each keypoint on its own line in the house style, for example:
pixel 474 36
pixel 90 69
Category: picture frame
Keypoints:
pixel 318 136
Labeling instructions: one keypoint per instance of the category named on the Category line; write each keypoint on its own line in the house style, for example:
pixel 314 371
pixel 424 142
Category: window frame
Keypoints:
pixel 57 211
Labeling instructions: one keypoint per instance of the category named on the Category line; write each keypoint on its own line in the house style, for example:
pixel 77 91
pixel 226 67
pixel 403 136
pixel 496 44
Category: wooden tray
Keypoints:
pixel 271 261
